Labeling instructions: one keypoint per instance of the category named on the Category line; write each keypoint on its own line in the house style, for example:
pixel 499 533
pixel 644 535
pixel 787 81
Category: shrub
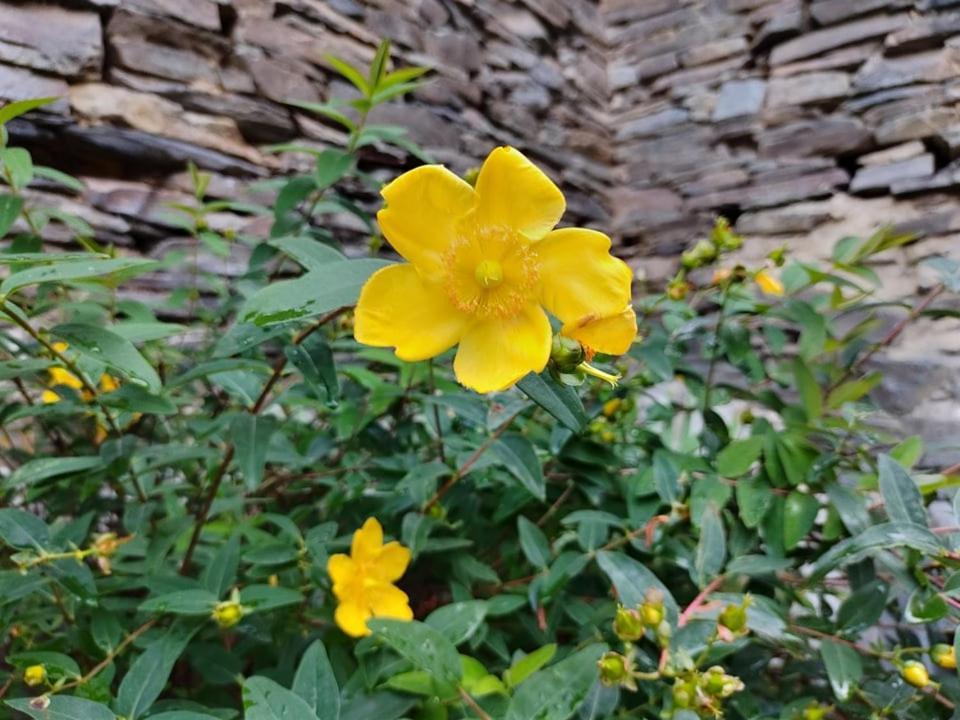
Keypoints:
pixel 194 514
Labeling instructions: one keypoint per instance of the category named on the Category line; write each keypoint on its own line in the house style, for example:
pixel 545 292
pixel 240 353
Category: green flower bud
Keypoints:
pixel 566 354
pixel 628 625
pixel 615 669
pixel 733 618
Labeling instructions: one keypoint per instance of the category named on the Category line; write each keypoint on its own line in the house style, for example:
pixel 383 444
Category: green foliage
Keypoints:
pixel 173 493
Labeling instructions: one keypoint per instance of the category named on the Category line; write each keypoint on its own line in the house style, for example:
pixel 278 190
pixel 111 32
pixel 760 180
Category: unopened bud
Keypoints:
pixel 944 655
pixel 628 625
pixel 677 289
pixel 566 353
pixel 35 675
pixel 702 253
pixel 615 669
pixel 723 235
pixel 816 711
pixel 227 613
pixel 684 694
pixel 915 673
pixel 734 617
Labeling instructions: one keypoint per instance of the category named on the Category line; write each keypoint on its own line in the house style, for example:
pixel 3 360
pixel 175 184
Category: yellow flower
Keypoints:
pixel 60 376
pixel 34 675
pixel 768 283
pixel 363 581
pixel 484 263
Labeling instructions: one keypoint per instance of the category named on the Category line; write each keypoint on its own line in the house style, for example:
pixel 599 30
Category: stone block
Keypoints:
pixel 923 33
pixel 881 73
pixel 201 13
pixel 163 61
pixel 770 194
pixel 873 178
pixel 51 39
pixel 828 12
pixel 19 84
pixel 739 98
pixel 837 36
pixel 830 136
pixel 904 151
pixel 809 89
pixel 793 219
pixel 923 123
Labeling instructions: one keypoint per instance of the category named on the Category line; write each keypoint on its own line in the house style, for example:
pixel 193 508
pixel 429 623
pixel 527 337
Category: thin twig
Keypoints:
pixel 100 666
pixel 469 462
pixel 468 699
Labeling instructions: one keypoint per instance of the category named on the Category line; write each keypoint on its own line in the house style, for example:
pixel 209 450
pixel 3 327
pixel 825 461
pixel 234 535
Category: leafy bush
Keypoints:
pixel 194 515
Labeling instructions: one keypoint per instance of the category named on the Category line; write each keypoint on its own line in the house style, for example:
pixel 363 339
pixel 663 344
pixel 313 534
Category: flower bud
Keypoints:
pixel 227 613
pixel 944 655
pixel 106 544
pixel 615 669
pixel 35 675
pixel 702 253
pixel 734 617
pixel 816 711
pixel 566 353
pixel 723 235
pixel 628 625
pixel 768 283
pixel 684 694
pixel 612 406
pixel 915 673
pixel 714 680
pixel 677 289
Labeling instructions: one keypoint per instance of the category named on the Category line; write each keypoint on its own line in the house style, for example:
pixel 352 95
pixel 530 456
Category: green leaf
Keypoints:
pixel 260 598
pixel 36 471
pixel 711 548
pixel 251 437
pixel 809 389
pixel 533 542
pixel 18 165
pixel 877 537
pixel 181 602
pixel 422 645
pixel 559 400
pixel 61 707
pixel 863 607
pixel 853 390
pixel 458 621
pixel 314 359
pixel 908 452
pixel 135 399
pixel 57 664
pixel 110 271
pixel 332 165
pixel 49 173
pixel 666 476
pixel 520 458
pixel 528 665
pixel 754 498
pixel 631 580
pixel 148 674
pixel 335 285
pixel 310 253
pixel 379 64
pixel 350 73
pixel 10 207
pixel 21 529
pixel 799 514
pixel 316 683
pixel 739 456
pixel 901 496
pixel 557 692
pixel 221 573
pixel 263 699
pixel 183 715
pixel 19 107
pixel 111 350
pixel 328 110
pixel 757 565
pixel 844 667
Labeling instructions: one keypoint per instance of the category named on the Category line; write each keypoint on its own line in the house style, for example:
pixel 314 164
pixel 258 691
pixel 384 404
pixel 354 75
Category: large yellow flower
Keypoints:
pixel 363 581
pixel 483 265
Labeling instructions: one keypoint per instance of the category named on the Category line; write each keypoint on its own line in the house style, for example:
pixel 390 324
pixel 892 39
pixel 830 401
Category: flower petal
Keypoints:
pixel 579 276
pixel 352 619
pixel 612 335
pixel 341 569
pixel 496 352
pixel 398 308
pixel 392 562
pixel 391 602
pixel 513 192
pixel 367 542
pixel 422 211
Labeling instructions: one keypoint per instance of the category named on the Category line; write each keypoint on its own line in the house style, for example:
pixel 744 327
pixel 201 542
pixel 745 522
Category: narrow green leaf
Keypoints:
pixel 631 580
pixel 844 667
pixel 266 700
pixel 221 573
pixel 520 458
pixel 181 602
pixel 458 621
pixel 111 350
pixel 251 437
pixel 106 270
pixel 533 543
pixel 10 207
pixel 559 400
pixel 711 548
pixel 901 496
pixel 738 457
pixel 19 107
pixel 799 514
pixel 40 469
pixel 148 674
pixel 316 684
pixel 557 692
pixel 61 707
pixel 423 646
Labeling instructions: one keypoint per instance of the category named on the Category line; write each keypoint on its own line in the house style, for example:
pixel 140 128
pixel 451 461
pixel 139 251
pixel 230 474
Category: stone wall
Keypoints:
pixel 801 120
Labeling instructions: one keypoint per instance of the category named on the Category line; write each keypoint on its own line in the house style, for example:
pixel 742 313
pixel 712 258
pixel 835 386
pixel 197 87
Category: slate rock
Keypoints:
pixel 770 194
pixel 904 151
pixel 830 136
pixel 51 39
pixel 19 84
pixel 881 73
pixel 654 124
pixel 880 177
pixel 836 36
pixel 808 89
pixel 739 98
pixel 923 33
pixel 922 123
pixel 828 12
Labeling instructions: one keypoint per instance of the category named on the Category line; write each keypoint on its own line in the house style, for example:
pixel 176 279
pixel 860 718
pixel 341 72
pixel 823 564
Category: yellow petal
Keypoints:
pixel 341 569
pixel 108 383
pixel 367 542
pixel 352 619
pixel 49 397
pixel 513 192
pixel 768 283
pixel 392 562
pixel 397 308
pixel 579 276
pixel 612 335
pixel 390 602
pixel 62 376
pixel 421 215
pixel 496 352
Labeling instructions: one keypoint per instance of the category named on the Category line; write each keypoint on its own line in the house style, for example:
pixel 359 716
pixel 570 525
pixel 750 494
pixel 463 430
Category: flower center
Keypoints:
pixel 489 273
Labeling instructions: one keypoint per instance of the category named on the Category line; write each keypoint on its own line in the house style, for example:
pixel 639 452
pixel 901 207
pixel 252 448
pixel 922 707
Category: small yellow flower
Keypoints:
pixel 60 377
pixel 768 283
pixel 484 264
pixel 35 675
pixel 363 581
pixel 227 613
